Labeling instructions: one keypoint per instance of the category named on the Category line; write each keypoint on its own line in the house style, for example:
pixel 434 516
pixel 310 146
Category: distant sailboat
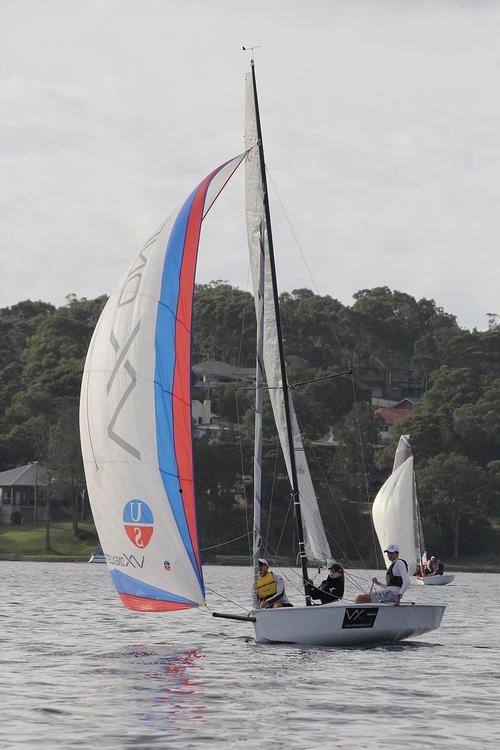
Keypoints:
pixel 97 556
pixel 396 515
pixel 135 417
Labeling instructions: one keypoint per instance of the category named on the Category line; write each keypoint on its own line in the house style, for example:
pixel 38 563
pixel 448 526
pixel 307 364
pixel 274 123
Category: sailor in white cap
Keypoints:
pixel 397 581
pixel 269 589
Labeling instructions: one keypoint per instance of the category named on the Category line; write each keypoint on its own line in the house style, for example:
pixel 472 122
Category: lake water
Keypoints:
pixel 78 670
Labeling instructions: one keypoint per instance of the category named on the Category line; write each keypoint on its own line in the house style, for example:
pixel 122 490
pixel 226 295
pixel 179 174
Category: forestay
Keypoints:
pixel 316 544
pixel 135 416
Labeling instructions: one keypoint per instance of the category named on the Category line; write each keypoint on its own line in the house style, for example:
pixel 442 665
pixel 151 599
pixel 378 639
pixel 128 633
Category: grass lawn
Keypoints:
pixel 30 540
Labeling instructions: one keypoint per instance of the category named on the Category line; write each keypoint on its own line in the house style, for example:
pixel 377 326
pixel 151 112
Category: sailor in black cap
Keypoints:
pixel 332 588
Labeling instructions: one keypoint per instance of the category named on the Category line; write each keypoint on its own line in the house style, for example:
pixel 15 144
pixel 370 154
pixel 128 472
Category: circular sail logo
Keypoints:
pixel 138 522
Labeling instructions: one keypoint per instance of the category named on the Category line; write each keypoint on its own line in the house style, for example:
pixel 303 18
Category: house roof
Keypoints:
pixel 23 476
pixel 392 415
pixel 223 370
pixel 405 403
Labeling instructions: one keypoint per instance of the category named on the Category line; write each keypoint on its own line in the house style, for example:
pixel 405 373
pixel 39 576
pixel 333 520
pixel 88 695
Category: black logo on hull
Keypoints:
pixel 358 617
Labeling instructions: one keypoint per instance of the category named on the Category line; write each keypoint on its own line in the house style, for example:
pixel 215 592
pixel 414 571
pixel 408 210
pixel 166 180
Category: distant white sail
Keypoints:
pixel 316 544
pixel 393 515
pixel 403 451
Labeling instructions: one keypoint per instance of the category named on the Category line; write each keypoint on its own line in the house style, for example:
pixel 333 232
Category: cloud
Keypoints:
pixel 382 136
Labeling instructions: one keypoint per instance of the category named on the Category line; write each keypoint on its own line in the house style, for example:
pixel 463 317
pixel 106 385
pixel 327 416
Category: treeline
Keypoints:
pixel 454 429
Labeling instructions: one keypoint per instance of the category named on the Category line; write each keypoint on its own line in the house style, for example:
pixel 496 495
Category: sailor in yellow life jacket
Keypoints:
pixel 269 588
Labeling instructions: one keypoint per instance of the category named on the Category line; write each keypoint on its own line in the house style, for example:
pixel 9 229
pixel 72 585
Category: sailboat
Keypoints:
pixel 396 515
pixel 135 424
pixel 97 557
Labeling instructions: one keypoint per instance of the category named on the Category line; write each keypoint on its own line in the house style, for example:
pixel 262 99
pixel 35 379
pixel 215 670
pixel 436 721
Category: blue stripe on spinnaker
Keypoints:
pixel 132 587
pixel 164 374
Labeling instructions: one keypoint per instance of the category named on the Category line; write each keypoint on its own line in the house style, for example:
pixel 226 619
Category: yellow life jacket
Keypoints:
pixel 266 586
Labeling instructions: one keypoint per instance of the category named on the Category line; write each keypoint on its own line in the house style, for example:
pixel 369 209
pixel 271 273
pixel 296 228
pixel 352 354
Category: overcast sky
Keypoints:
pixel 381 126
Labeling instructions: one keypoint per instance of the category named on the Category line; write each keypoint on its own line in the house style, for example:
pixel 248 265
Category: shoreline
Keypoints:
pixel 6 557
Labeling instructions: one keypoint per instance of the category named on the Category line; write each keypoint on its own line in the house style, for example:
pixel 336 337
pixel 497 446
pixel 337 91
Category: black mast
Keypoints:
pixel 286 396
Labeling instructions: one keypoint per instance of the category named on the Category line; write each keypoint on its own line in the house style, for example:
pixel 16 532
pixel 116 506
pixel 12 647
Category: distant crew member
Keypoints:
pixel 432 566
pixel 397 581
pixel 269 588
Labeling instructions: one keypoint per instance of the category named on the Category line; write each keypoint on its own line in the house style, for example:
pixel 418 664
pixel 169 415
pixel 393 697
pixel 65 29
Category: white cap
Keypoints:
pixel 261 561
pixel 392 548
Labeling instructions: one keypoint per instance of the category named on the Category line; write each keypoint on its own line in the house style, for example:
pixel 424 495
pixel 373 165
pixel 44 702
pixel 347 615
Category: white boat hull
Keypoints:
pixel 346 625
pixel 436 580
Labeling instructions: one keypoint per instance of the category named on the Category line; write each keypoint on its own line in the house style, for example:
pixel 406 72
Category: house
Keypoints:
pixel 210 373
pixel 205 422
pixel 392 412
pixel 23 490
pixel 393 384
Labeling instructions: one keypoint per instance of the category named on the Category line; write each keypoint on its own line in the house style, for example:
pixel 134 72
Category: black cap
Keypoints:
pixel 336 567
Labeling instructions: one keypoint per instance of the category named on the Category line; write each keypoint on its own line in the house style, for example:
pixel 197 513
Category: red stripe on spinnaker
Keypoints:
pixel 139 604
pixel 181 402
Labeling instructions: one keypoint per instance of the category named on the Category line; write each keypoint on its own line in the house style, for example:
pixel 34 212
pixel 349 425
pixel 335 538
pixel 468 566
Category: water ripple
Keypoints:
pixel 80 671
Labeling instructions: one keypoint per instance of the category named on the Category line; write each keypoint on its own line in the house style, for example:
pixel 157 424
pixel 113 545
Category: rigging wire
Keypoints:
pixel 229 541
pixel 358 428
pixel 345 357
pixel 284 524
pixel 271 498
pixel 343 351
pixel 363 464
pixel 242 467
pixel 242 462
pixel 227 599
pixel 337 505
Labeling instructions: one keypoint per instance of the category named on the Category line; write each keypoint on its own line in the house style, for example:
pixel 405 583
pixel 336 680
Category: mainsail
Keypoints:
pixel 135 416
pixel 316 544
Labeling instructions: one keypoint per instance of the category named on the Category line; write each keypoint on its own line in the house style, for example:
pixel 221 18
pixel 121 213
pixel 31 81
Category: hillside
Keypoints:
pixel 454 426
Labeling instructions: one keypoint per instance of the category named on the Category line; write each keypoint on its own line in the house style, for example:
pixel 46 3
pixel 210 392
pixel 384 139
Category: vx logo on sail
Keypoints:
pixel 122 348
pixel 138 522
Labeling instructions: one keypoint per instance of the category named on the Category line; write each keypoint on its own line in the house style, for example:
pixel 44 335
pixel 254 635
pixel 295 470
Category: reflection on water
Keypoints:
pixel 170 684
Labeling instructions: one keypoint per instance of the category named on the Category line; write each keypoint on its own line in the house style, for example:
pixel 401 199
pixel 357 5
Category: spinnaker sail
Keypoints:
pixel 135 416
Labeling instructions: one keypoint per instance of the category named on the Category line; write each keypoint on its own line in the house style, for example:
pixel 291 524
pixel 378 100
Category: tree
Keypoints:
pixel 313 327
pixel 223 324
pixel 391 322
pixel 48 371
pixel 478 426
pixel 221 513
pixel 42 353
pixel 454 489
